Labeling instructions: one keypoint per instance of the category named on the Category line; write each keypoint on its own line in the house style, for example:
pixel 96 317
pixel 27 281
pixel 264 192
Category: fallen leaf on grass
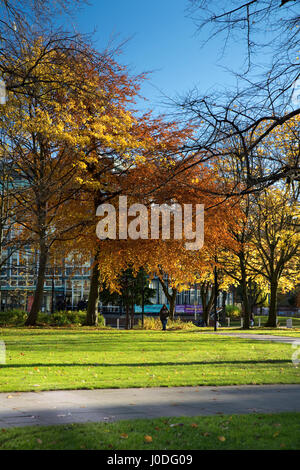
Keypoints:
pixel 276 434
pixel 194 425
pixel 124 436
pixel 206 434
pixel 148 439
pixel 222 438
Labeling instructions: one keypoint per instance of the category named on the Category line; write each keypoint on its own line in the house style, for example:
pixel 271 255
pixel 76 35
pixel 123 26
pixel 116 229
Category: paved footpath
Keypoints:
pixel 82 406
pixel 262 337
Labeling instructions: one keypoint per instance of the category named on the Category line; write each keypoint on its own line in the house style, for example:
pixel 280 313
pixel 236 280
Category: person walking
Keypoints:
pixel 164 314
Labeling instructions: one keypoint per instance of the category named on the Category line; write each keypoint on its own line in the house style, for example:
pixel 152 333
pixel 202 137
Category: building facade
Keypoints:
pixel 65 285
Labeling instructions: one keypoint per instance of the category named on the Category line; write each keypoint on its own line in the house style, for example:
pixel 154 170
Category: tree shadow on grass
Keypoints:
pixel 148 364
pixel 104 341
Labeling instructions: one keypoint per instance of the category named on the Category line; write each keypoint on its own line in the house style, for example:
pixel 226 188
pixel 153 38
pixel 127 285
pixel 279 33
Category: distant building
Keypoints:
pixel 65 286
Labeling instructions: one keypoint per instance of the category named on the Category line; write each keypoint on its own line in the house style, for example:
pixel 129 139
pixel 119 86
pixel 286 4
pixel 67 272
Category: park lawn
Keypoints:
pixel 53 359
pixel 293 332
pixel 256 431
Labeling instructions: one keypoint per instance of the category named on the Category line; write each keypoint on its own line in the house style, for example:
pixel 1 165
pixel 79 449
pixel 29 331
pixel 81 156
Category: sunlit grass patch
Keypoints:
pixel 255 431
pixel 48 359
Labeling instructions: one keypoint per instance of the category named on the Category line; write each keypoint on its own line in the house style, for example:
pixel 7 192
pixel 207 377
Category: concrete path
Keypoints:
pixel 82 406
pixel 262 337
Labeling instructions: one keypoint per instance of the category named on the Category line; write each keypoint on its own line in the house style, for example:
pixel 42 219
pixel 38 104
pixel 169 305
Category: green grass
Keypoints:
pixel 51 359
pixel 293 332
pixel 255 431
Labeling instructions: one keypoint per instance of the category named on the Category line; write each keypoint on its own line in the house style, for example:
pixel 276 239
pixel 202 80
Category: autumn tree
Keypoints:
pixel 176 266
pixel 258 294
pixel 20 24
pixel 281 146
pixel 236 259
pixel 123 156
pixel 43 126
pixel 208 290
pixel 276 243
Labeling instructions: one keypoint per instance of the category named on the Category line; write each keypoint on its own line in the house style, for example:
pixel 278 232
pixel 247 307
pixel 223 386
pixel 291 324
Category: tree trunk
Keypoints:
pixel 39 290
pixel 92 307
pixel 272 319
pixel 171 297
pixel 132 311
pixel 172 303
pixel 93 300
pixel 216 292
pixel 224 297
pixel 143 304
pixel 207 303
pixel 127 316
pixel 206 312
pixel 244 288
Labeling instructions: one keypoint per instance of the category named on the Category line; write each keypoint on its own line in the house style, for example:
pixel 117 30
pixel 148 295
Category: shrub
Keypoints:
pixel 233 311
pixel 63 318
pixel 154 323
pixel 68 318
pixel 17 317
pixel 14 317
pixel 101 321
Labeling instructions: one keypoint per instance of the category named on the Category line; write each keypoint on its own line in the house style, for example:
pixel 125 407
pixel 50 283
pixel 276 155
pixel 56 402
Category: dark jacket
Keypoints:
pixel 164 313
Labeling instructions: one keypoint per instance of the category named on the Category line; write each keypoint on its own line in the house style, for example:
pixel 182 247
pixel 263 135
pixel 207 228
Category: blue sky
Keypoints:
pixel 162 40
